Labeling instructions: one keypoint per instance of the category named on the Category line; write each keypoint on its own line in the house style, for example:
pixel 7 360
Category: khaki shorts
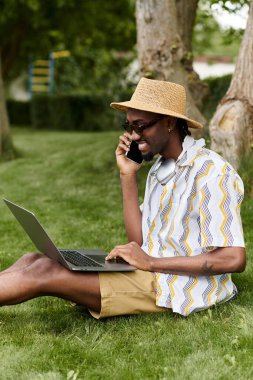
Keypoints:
pixel 125 293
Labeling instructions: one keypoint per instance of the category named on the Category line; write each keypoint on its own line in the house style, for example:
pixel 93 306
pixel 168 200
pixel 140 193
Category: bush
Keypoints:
pixel 73 112
pixel 40 115
pixel 91 112
pixel 19 112
pixel 66 112
pixel 217 88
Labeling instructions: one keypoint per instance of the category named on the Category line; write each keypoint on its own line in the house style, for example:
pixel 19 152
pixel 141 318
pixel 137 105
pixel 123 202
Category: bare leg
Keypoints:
pixel 21 263
pixel 37 275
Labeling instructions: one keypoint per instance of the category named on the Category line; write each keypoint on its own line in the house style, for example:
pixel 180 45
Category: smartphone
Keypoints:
pixel 134 154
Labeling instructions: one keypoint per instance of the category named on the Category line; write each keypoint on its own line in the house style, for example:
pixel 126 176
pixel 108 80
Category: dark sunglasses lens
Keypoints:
pixel 126 126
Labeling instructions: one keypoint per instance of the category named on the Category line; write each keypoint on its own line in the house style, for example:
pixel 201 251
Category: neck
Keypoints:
pixel 174 147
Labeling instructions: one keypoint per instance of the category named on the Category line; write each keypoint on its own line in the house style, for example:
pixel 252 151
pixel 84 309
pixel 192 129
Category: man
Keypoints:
pixel 186 239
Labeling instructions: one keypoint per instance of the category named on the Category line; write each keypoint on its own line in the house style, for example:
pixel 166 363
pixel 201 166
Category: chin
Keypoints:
pixel 148 156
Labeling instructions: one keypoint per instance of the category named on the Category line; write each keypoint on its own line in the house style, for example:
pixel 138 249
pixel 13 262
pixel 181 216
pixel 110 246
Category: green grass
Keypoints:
pixel 71 182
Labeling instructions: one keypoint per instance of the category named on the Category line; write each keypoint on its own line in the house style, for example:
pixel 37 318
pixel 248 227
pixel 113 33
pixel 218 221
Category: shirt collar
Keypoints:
pixel 189 152
pixel 186 157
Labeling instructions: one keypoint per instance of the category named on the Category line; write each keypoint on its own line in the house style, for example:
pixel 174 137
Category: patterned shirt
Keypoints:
pixel 197 211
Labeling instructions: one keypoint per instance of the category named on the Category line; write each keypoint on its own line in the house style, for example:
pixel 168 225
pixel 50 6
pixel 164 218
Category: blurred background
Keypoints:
pixel 74 54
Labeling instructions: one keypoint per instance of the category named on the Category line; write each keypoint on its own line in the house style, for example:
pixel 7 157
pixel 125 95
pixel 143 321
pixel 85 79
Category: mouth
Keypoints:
pixel 145 150
pixel 143 146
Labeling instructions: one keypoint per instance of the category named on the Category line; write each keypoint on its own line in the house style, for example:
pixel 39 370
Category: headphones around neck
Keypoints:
pixel 166 171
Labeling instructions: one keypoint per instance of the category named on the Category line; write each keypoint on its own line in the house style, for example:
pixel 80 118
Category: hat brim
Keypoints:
pixel 124 107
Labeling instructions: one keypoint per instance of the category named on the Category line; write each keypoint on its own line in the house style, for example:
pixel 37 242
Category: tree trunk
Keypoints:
pixel 6 148
pixel 186 14
pixel 231 127
pixel 161 51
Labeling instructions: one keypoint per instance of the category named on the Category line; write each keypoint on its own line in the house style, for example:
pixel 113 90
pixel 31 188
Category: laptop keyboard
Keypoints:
pixel 76 258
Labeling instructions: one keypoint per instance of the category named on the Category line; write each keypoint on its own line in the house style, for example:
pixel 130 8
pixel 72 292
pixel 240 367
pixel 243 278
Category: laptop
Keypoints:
pixel 92 260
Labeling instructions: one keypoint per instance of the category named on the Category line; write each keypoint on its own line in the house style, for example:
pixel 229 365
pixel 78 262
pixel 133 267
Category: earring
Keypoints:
pixel 169 130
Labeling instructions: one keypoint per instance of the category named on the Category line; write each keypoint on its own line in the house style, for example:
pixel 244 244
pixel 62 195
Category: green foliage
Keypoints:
pixel 73 112
pixel 246 172
pixel 92 112
pixel 231 5
pixel 217 88
pixel 19 112
pixel 70 180
pixel 91 30
pixel 95 71
pixel 209 38
pixel 40 112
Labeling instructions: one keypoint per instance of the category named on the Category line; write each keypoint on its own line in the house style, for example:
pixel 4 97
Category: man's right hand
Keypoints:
pixel 125 166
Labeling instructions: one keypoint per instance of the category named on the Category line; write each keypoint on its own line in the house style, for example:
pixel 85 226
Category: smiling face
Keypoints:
pixel 155 139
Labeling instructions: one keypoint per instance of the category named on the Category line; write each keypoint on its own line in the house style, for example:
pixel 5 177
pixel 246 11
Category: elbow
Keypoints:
pixel 239 261
pixel 139 242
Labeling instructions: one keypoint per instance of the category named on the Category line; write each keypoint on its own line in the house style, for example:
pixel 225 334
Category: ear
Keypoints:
pixel 172 121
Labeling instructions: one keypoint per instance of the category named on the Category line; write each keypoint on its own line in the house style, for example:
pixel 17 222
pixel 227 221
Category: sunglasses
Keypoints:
pixel 140 128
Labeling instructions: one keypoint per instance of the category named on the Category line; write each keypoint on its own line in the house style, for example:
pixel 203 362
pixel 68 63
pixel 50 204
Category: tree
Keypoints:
pixel 231 126
pixel 92 30
pixel 186 14
pixel 212 39
pixel 161 51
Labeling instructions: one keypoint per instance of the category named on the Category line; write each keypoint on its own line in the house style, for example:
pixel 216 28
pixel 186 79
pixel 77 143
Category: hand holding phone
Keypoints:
pixel 134 154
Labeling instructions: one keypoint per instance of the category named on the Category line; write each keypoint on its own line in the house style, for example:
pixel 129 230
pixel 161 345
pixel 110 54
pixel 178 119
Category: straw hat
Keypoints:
pixel 165 98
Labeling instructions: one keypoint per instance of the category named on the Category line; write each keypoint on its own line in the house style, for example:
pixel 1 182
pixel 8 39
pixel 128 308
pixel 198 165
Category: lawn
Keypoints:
pixel 71 182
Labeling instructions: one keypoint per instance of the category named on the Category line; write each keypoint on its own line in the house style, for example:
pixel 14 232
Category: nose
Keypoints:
pixel 135 136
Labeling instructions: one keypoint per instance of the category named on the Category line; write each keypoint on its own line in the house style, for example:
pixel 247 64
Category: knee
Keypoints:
pixel 42 266
pixel 43 273
pixel 31 257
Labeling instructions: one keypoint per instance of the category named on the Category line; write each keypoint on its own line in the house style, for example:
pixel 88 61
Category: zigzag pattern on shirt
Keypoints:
pixel 185 157
pixel 188 300
pixel 213 289
pixel 199 225
pixel 162 212
pixel 150 241
pixel 171 278
pixel 148 186
pixel 150 197
pixel 239 192
pixel 163 226
pixel 206 296
pixel 206 217
pixel 200 153
pixel 165 190
pixel 239 198
pixel 158 287
pixel 151 225
pixel 183 239
pixel 204 170
pixel 225 210
pixel 166 216
pixel 222 284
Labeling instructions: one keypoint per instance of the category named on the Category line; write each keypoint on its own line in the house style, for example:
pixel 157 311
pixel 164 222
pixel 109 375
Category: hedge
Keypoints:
pixel 217 89
pixel 65 112
pixel 90 112
pixel 19 112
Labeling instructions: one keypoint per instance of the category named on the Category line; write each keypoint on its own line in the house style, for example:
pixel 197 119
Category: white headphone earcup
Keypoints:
pixel 166 171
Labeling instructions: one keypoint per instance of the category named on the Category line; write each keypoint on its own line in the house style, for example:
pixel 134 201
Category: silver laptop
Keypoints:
pixel 73 259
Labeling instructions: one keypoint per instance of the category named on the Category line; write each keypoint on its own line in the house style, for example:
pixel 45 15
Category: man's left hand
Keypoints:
pixel 132 254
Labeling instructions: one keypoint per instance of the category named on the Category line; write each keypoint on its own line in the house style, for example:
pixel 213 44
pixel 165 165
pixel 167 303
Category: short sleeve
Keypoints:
pixel 220 220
